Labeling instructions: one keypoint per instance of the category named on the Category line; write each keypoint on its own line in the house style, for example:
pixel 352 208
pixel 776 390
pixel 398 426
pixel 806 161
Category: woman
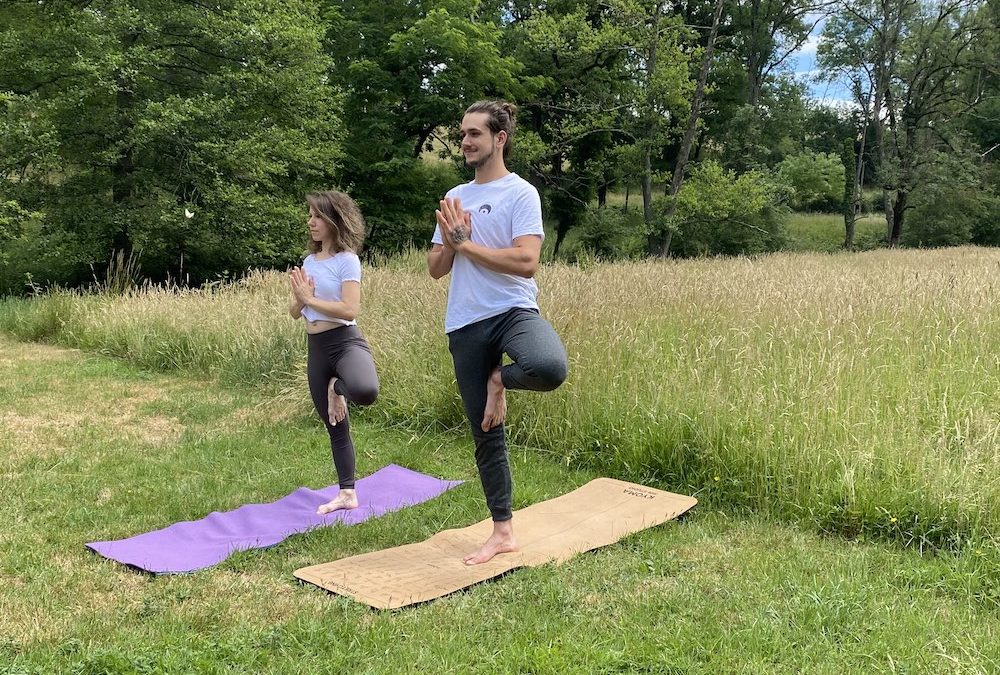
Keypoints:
pixel 326 293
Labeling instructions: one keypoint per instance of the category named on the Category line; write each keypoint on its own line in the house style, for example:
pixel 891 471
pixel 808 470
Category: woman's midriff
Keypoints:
pixel 320 326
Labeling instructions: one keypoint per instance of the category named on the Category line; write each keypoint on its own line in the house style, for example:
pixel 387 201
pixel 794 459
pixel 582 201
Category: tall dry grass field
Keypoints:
pixel 858 392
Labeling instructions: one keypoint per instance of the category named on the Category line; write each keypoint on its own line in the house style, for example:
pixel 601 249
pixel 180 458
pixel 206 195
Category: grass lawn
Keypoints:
pixel 94 448
pixel 824 232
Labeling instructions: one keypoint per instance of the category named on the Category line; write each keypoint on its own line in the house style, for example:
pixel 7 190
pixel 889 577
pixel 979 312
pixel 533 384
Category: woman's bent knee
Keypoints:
pixel 364 395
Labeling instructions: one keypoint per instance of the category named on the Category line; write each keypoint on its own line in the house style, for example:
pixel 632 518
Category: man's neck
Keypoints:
pixel 492 171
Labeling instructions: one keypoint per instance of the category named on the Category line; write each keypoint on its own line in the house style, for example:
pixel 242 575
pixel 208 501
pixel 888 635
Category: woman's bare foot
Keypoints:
pixel 496 402
pixel 501 541
pixel 338 404
pixel 347 499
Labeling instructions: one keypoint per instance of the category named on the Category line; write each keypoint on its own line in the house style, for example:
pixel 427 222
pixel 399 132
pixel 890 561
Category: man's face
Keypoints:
pixel 479 144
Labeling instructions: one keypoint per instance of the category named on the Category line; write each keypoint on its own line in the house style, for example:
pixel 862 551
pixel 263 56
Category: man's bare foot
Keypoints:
pixel 496 401
pixel 347 499
pixel 338 404
pixel 501 541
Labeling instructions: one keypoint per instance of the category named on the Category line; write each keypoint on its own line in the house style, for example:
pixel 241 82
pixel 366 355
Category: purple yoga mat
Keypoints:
pixel 193 545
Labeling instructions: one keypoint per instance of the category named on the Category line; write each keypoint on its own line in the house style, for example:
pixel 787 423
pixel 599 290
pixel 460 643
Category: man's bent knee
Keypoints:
pixel 548 375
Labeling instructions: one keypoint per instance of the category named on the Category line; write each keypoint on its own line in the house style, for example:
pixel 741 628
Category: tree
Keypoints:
pixel 408 70
pixel 852 193
pixel 915 56
pixel 182 130
pixel 662 246
pixel 766 32
pixel 576 55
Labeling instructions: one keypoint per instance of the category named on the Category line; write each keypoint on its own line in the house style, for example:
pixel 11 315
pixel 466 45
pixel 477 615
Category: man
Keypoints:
pixel 489 237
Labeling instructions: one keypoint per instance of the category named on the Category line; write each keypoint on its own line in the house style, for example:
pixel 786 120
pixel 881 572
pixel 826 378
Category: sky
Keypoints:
pixel 803 65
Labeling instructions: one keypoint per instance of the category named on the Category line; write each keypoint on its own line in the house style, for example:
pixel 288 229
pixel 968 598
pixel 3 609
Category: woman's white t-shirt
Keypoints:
pixel 329 274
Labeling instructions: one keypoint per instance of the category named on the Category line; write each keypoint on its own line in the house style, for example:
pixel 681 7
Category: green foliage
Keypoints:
pixel 720 213
pixel 953 215
pixel 12 218
pixel 761 136
pixel 825 129
pixel 956 205
pixel 184 133
pixel 816 178
pixel 400 201
pixel 872 201
pixel 586 59
pixel 408 71
pixel 609 233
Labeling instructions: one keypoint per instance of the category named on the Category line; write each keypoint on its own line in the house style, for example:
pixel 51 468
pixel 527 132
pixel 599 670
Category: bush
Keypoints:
pixel 817 179
pixel 398 199
pixel 948 215
pixel 720 213
pixel 609 233
pixel 871 201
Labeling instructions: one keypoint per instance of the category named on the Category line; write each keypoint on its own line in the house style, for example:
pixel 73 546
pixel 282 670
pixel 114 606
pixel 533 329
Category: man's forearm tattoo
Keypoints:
pixel 459 234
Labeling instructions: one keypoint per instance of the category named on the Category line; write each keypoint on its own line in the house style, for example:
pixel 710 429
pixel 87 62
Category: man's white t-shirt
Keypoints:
pixel 329 275
pixel 502 210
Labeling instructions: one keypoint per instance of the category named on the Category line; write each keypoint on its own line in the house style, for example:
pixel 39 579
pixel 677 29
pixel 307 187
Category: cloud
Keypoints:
pixel 810 45
pixel 835 102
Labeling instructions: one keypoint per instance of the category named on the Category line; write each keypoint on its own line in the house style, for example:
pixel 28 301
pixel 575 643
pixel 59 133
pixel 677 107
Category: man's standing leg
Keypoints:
pixel 540 364
pixel 476 353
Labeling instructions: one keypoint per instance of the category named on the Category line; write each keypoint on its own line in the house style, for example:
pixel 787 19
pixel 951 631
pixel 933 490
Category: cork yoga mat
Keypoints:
pixel 594 515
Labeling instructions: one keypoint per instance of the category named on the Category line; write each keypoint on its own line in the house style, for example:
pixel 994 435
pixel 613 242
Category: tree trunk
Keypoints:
pixel 754 67
pixel 418 147
pixel 859 169
pixel 850 192
pixel 561 231
pixel 888 50
pixel 898 212
pixel 662 248
pixel 652 239
pixel 123 170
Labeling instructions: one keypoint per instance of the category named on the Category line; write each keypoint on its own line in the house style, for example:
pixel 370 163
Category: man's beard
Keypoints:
pixel 476 163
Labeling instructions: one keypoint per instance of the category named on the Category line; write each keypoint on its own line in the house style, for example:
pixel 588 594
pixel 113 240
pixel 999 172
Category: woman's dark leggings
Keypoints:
pixel 540 364
pixel 342 353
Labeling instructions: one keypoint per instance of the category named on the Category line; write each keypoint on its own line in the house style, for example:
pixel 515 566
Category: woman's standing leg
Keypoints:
pixel 341 357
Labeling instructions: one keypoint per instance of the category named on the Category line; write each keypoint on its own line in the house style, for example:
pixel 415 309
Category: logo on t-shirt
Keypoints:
pixel 485 208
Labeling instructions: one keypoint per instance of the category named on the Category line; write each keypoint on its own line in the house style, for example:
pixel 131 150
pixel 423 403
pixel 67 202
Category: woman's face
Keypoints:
pixel 318 229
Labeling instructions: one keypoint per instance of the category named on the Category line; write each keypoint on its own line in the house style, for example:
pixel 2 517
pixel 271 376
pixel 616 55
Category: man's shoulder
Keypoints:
pixel 457 190
pixel 522 186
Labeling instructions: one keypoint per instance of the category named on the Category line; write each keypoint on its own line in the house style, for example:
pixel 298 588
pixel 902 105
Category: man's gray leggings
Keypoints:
pixel 539 364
